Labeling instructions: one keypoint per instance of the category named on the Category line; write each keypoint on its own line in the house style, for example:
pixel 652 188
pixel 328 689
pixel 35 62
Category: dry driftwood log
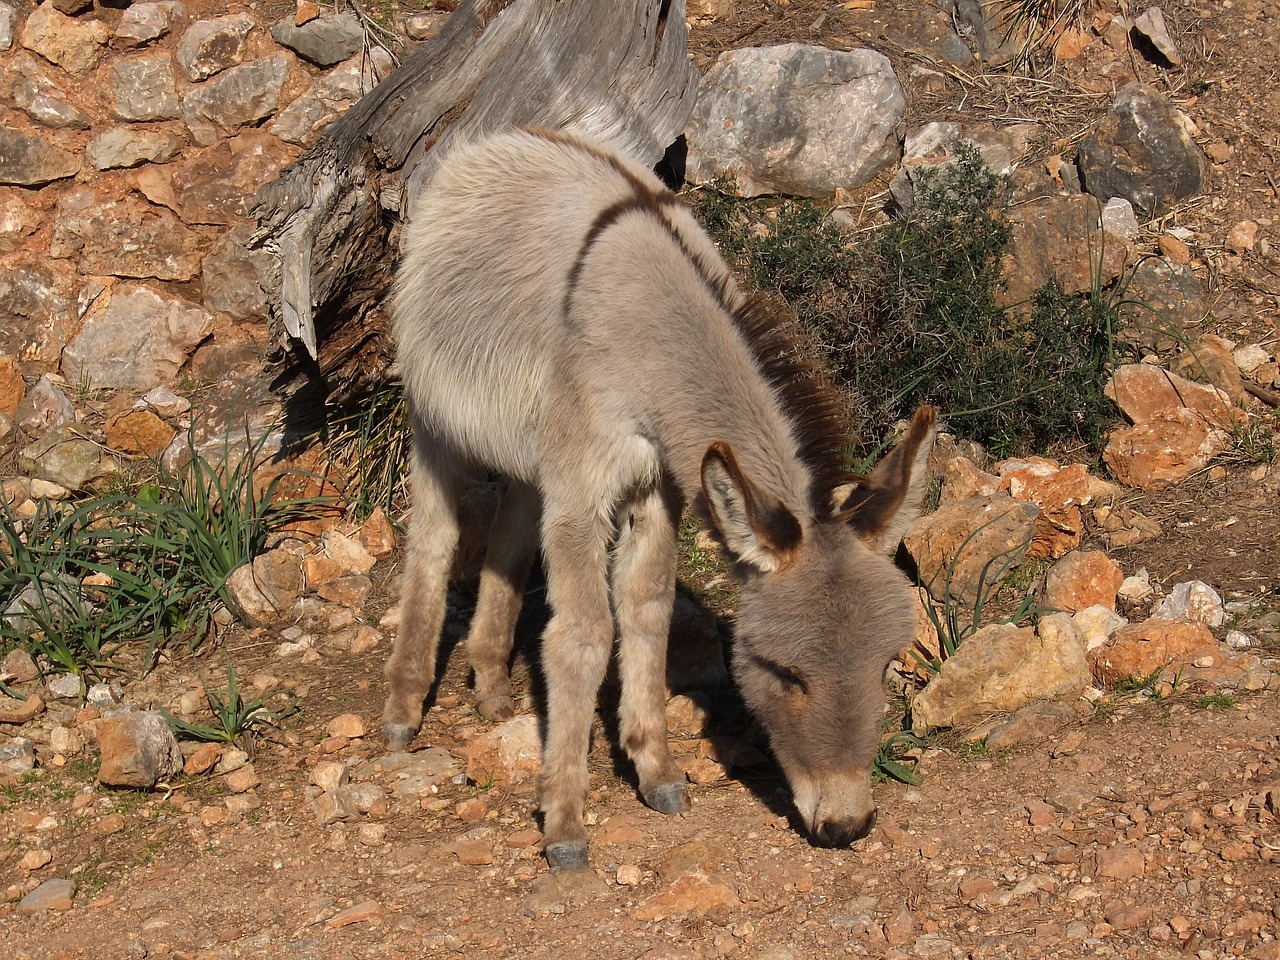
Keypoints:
pixel 618 70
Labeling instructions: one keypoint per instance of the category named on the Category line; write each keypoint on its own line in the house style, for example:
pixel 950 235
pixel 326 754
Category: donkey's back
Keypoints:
pixel 492 254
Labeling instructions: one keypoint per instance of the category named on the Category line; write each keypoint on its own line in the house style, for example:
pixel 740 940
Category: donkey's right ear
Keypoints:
pixel 756 526
pixel 882 506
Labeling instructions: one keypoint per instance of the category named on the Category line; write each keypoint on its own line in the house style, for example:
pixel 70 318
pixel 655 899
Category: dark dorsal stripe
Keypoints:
pixel 817 411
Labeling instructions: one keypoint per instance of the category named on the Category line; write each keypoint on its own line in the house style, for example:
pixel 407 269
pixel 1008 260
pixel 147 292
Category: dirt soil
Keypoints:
pixel 1140 831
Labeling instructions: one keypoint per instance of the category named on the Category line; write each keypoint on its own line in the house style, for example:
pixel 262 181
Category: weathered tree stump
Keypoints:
pixel 617 70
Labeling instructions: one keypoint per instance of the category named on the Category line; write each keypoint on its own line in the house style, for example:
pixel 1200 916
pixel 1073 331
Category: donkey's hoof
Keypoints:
pixel 567 855
pixel 496 709
pixel 668 798
pixel 396 737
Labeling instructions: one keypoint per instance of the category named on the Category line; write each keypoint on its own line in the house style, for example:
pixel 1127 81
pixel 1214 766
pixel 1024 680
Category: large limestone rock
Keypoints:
pixel 211 46
pixel 18 220
pixel 266 588
pixel 1059 491
pixel 1142 152
pixel 145 22
pixel 968 546
pixel 64 457
pixel 1164 300
pixel 233 277
pixel 1059 239
pixel 1144 392
pixel 303 120
pixel 1003 667
pixel 509 754
pixel 76 45
pixel 138 750
pixel 217 186
pixel 38 311
pixel 324 41
pixel 124 238
pixel 1082 579
pixel 29 88
pixel 120 147
pixel 827 121
pixel 142 88
pixel 237 96
pixel 33 161
pixel 1140 649
pixel 138 341
pixel 1164 450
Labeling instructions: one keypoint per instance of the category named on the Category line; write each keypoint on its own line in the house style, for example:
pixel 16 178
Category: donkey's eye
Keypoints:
pixel 788 676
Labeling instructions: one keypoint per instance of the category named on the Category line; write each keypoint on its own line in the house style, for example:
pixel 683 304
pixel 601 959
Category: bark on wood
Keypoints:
pixel 617 70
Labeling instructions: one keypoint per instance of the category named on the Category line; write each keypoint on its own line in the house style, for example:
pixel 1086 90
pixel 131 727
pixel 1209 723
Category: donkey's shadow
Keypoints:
pixel 727 713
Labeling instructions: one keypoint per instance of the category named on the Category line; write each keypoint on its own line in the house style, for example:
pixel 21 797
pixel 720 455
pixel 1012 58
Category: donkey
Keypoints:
pixel 562 319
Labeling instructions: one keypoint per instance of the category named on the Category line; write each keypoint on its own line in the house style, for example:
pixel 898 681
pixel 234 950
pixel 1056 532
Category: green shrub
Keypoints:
pixel 910 315
pixel 142 566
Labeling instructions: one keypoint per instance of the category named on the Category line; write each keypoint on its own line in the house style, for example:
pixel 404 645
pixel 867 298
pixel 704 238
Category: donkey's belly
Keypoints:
pixel 484 405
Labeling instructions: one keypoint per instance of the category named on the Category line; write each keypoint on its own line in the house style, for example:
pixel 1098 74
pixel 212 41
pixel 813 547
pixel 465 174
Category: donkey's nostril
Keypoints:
pixel 842 833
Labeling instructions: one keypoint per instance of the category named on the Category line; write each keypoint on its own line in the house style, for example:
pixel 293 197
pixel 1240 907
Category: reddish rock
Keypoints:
pixel 471 852
pixel 140 432
pixel 1174 249
pixel 508 754
pixel 265 589
pixel 20 711
pixel 12 387
pixel 242 779
pixel 50 895
pixel 204 759
pixel 688 715
pixel 1058 491
pixel 348 553
pixel 137 750
pixel 695 892
pixel 356 913
pixel 1163 450
pixel 1140 649
pixel 350 725
pixel 349 592
pixel 1210 360
pixel 1121 863
pixel 318 570
pixel 76 45
pixel 20 667
pixel 1082 579
pixel 376 534
pixel 1145 392
pixel 970 544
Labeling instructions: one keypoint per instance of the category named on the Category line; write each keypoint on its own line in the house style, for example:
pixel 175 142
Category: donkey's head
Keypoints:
pixel 823 611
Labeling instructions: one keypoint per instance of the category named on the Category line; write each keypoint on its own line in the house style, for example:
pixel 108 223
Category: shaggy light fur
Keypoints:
pixel 562 319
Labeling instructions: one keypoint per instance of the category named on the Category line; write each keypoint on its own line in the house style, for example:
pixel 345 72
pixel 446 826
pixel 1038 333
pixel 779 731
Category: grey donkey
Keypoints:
pixel 562 319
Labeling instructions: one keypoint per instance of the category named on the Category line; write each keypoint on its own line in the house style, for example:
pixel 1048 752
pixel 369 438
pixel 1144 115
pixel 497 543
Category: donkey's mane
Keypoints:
pixel 817 411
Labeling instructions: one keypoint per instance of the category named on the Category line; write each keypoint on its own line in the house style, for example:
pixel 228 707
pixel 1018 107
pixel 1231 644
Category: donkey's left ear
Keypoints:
pixel 881 507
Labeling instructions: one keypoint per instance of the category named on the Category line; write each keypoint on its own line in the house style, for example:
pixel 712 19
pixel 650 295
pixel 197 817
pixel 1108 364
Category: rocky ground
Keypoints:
pixel 1140 822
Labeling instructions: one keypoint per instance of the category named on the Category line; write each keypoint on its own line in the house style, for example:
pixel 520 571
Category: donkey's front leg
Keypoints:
pixel 575 653
pixel 513 542
pixel 644 580
pixel 433 538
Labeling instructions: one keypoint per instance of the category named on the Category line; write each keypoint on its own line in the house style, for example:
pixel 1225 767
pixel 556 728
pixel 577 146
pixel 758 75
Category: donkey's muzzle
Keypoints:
pixel 843 833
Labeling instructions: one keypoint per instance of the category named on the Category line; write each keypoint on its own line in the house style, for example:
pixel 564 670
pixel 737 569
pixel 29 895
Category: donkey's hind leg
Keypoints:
pixel 433 538
pixel 513 542
pixel 644 590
